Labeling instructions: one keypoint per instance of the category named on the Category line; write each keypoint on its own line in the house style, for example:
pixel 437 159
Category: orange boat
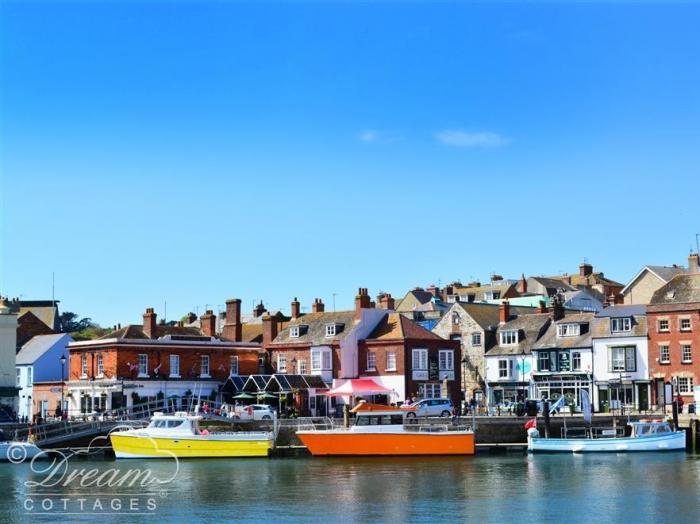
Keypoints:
pixel 383 430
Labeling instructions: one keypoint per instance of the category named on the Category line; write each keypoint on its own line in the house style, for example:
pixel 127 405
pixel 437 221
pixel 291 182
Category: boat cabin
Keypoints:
pixel 177 423
pixel 646 429
pixel 367 414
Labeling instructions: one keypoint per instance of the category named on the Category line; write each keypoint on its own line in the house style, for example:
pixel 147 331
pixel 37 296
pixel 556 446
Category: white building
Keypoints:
pixel 8 351
pixel 620 358
pixel 39 361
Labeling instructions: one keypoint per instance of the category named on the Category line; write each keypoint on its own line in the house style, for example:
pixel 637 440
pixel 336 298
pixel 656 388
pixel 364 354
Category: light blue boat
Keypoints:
pixel 645 436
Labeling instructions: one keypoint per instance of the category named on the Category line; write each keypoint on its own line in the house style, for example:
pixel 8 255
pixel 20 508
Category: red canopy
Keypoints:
pixel 359 386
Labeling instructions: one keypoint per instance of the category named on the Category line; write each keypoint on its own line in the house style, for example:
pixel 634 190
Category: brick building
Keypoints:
pixel 673 317
pixel 410 360
pixel 152 361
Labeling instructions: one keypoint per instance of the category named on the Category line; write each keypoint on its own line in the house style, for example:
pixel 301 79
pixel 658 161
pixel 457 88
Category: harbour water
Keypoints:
pixel 638 488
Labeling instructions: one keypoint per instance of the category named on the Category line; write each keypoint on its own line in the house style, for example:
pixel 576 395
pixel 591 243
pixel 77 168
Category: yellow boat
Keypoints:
pixel 179 436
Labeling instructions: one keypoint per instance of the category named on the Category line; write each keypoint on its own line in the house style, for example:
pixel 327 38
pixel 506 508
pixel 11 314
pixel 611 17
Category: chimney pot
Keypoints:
pixel 296 309
pixel 693 263
pixel 208 323
pixel 233 329
pixel 150 323
pixel 503 312
pixel 362 301
pixel 318 306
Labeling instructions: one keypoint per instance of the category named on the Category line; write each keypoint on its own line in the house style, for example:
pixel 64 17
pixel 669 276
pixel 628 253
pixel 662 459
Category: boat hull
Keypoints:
pixel 674 441
pixel 17 451
pixel 136 446
pixel 326 443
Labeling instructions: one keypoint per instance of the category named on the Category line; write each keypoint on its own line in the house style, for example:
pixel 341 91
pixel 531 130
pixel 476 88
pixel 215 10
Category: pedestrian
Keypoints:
pixel 680 402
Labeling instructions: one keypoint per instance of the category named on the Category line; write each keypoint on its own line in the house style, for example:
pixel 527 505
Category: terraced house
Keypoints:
pixel 673 316
pixel 474 326
pixel 621 358
pixel 152 361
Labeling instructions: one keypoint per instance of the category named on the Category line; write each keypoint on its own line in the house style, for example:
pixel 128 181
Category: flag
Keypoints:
pixel 558 404
pixel 586 406
pixel 530 424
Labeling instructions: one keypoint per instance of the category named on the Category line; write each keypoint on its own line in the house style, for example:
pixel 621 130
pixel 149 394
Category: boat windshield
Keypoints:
pixel 651 429
pixel 166 423
pixel 379 420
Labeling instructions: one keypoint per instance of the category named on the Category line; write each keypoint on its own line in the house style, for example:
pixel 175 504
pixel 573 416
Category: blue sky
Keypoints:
pixel 193 152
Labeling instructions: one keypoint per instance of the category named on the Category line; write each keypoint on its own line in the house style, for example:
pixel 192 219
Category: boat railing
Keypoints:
pixel 315 424
pixel 592 433
pixel 419 427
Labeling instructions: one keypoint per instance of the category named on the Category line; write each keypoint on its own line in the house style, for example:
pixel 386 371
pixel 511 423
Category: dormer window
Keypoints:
pixel 620 325
pixel 568 330
pixel 331 330
pixel 509 337
pixel 294 332
pixel 492 295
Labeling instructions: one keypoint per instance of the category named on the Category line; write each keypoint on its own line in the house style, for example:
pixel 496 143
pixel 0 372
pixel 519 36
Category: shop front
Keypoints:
pixel 552 386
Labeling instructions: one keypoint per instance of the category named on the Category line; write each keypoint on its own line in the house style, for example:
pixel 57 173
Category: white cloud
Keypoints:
pixel 379 136
pixel 369 135
pixel 458 138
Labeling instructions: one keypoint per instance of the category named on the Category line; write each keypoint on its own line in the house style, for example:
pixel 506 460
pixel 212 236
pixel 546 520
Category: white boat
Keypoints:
pixel 179 436
pixel 645 436
pixel 15 451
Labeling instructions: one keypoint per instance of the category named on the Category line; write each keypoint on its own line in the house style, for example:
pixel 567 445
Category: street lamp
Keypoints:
pixel 63 365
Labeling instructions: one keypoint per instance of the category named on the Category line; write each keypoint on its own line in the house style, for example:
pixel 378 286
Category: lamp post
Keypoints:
pixel 63 365
pixel 464 383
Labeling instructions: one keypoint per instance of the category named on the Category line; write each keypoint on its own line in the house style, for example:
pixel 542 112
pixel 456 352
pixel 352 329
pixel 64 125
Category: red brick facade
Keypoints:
pixel 403 350
pixel 665 330
pixel 120 360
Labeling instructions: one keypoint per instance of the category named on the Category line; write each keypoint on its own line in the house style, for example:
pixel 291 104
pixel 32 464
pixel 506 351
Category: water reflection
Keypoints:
pixel 541 488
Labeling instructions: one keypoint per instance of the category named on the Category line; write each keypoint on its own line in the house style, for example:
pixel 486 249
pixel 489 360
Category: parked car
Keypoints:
pixel 254 412
pixel 432 407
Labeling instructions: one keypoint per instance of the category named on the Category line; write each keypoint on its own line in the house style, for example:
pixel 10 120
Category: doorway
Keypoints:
pixel 643 397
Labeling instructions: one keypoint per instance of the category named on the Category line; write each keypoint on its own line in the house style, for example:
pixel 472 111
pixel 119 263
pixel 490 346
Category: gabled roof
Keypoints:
pixel 479 292
pixel 682 289
pixel 414 299
pixel 550 340
pixel 44 310
pixel 40 344
pixel 530 329
pixel 486 315
pixel 395 326
pixel 552 285
pixel 135 331
pixel 664 273
pixel 315 332
pixel 601 325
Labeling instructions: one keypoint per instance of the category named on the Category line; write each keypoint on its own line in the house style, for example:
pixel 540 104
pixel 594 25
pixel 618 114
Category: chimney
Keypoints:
pixel 296 309
pixel 208 323
pixel 557 312
pixel 233 327
pixel 523 283
pixel 447 290
pixel 585 269
pixel 362 301
pixel 150 323
pixel 619 298
pixel 693 263
pixel 385 301
pixel 259 310
pixel 434 290
pixel 269 329
pixel 542 308
pixel 503 312
pixel 318 306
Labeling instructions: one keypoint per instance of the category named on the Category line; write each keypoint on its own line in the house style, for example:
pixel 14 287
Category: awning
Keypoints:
pixel 359 386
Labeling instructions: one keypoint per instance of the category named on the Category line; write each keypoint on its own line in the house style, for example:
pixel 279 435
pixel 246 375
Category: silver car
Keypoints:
pixel 433 407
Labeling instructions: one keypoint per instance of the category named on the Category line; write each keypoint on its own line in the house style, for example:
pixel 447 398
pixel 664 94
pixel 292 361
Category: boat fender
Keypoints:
pixel 204 432
pixel 533 433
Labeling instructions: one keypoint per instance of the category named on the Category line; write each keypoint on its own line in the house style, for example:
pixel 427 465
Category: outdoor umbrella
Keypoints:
pixel 266 395
pixel 243 395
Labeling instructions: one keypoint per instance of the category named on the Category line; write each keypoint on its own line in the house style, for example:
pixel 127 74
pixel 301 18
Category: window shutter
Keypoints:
pixel 610 363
